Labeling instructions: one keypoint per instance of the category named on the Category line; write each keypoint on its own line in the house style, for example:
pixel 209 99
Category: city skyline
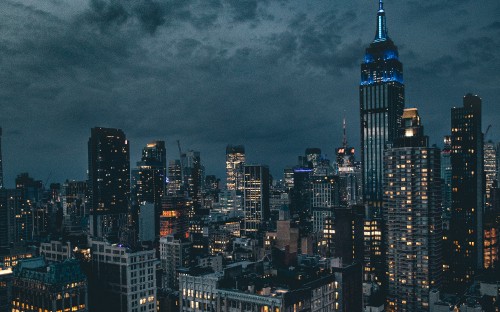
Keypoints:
pixel 270 78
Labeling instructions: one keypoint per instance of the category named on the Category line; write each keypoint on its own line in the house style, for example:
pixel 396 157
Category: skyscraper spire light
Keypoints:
pixel 381 33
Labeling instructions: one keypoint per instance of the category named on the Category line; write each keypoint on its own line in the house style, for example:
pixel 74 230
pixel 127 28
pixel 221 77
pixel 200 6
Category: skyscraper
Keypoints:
pixel 381 107
pixel 446 174
pixel 255 197
pixel 490 169
pixel 349 174
pixel 149 180
pixel 194 177
pixel 235 159
pixel 109 181
pixel 412 215
pixel 466 232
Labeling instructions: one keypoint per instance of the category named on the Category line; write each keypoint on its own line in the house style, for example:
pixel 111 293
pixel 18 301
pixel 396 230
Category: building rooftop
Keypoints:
pixel 68 271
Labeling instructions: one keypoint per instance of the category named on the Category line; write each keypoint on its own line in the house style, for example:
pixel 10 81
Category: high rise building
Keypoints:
pixel 74 205
pixel 381 107
pixel 412 215
pixel 350 177
pixel 54 287
pixel 174 177
pixel 149 181
pixel 235 159
pixel 1 162
pixel 150 175
pixel 466 223
pixel 15 218
pixel 194 179
pixel 255 197
pixel 490 170
pixel 446 174
pixel 109 181
pixel 122 279
pixel 174 254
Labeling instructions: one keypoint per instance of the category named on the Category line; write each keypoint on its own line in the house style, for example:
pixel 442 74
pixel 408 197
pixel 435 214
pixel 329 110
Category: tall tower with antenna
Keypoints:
pixel 382 101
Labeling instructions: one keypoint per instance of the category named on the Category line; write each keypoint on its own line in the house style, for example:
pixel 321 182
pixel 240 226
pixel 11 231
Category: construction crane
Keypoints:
pixel 486 133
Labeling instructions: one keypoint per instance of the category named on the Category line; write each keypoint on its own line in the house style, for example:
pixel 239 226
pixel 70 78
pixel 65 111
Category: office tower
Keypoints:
pixel 301 193
pixel 348 234
pixel 490 169
pixel 150 174
pixel 446 174
pixel 255 198
pixel 194 176
pixel 174 177
pixel 74 205
pixel 350 177
pixel 122 279
pixel 109 181
pixel 149 181
pixel 235 159
pixel 38 286
pixel 174 215
pixel 1 161
pixel 412 215
pixel 381 95
pixel 490 226
pixel 174 254
pixel 466 223
pixel 12 216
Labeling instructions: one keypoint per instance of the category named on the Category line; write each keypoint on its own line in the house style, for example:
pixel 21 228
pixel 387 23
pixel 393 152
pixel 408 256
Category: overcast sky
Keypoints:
pixel 274 75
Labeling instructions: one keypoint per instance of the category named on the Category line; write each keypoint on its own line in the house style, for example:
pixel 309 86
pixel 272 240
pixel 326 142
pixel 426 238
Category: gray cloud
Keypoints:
pixel 277 76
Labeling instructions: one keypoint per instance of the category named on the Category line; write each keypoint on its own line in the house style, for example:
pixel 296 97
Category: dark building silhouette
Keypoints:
pixel 381 107
pixel 348 237
pixel 149 180
pixel 11 228
pixel 109 181
pixel 466 223
pixel 412 218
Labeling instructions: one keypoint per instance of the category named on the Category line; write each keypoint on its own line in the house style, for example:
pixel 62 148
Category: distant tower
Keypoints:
pixel 109 181
pixel 446 174
pixel 149 179
pixel 235 159
pixel 412 215
pixel 1 165
pixel 256 197
pixel 490 169
pixel 381 96
pixel 350 178
pixel 466 223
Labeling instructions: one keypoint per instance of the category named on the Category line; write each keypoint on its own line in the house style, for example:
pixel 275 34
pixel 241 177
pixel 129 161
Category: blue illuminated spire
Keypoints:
pixel 381 33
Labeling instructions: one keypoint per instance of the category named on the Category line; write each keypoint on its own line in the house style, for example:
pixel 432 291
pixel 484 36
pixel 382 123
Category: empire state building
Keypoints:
pixel 381 95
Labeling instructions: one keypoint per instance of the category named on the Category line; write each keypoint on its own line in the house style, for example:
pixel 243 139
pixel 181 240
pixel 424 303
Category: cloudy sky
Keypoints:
pixel 274 75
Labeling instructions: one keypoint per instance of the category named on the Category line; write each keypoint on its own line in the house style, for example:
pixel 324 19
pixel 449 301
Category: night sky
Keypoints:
pixel 275 75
